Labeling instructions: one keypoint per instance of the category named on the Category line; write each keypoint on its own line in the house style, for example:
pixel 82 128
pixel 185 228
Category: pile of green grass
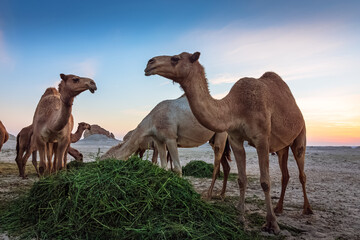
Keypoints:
pixel 114 199
pixel 198 169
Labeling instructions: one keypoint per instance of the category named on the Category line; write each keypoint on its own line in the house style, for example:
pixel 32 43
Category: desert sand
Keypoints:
pixel 333 175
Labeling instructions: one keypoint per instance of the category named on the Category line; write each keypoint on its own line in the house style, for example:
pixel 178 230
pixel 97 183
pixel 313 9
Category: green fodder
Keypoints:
pixel 114 199
pixel 199 169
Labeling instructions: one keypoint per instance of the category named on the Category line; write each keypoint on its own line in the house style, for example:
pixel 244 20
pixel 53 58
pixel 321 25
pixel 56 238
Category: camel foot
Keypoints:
pixel 307 210
pixel 25 177
pixel 278 210
pixel 271 227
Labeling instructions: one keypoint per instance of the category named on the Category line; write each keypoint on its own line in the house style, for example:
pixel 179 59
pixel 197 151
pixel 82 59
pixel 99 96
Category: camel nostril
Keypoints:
pixel 151 61
pixel 92 82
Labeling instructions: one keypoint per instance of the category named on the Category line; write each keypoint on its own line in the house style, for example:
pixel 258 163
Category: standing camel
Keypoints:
pixel 171 124
pixel 4 135
pixel 53 121
pixel 261 111
pixel 23 147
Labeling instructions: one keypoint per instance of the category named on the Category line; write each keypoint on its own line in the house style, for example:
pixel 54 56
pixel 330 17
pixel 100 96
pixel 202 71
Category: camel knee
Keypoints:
pixel 302 178
pixel 242 183
pixel 265 186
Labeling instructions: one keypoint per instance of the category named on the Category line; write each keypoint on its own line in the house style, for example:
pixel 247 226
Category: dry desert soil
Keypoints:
pixel 333 177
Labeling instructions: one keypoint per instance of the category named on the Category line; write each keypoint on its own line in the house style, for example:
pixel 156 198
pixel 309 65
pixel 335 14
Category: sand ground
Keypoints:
pixel 333 175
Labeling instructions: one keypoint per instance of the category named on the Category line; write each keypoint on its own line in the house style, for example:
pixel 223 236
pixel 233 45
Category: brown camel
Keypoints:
pixel 261 111
pixel 4 135
pixel 53 121
pixel 23 141
pixel 171 124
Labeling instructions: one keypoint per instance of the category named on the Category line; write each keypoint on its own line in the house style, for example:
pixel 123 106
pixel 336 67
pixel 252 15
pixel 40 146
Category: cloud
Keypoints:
pixel 88 67
pixel 295 51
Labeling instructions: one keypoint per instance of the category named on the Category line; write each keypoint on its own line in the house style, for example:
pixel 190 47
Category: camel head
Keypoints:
pixel 176 67
pixel 73 85
pixel 84 126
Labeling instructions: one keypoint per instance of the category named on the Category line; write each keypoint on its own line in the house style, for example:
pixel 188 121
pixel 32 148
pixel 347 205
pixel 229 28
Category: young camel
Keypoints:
pixel 4 135
pixel 53 121
pixel 261 111
pixel 23 150
pixel 171 124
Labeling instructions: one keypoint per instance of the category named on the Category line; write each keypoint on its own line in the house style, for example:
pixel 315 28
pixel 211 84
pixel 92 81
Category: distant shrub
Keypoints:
pixel 198 169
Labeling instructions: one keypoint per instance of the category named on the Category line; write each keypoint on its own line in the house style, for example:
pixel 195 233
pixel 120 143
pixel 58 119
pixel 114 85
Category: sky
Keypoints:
pixel 313 45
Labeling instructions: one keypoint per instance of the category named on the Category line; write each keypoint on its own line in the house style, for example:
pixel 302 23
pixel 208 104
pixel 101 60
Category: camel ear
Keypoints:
pixel 63 77
pixel 194 57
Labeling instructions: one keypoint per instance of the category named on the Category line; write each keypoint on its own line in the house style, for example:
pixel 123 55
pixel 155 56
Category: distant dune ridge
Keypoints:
pixel 96 129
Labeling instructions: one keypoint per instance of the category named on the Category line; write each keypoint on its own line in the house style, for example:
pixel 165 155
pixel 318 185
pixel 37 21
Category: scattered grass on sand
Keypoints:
pixel 114 199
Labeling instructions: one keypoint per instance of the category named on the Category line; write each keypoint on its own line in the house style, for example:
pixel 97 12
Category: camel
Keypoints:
pixel 171 124
pixel 261 111
pixel 4 135
pixel 53 121
pixel 23 141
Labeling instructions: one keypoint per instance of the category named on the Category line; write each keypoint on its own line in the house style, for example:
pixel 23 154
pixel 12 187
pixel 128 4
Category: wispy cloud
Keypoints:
pixel 88 67
pixel 296 51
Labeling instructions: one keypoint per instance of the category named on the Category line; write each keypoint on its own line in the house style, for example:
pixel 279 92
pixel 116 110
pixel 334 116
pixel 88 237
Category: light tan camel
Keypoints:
pixel 53 121
pixel 23 147
pixel 171 124
pixel 261 111
pixel 4 135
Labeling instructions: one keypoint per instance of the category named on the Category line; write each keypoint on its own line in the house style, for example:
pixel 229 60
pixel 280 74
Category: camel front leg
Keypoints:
pixel 262 149
pixel 240 157
pixel 34 162
pixel 218 147
pixel 173 150
pixel 60 153
pixel 162 152
pixel 283 155
pixel 155 156
pixel 42 154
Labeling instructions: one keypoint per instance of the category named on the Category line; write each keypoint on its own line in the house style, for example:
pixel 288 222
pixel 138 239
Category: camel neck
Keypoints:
pixel 77 135
pixel 207 110
pixel 64 113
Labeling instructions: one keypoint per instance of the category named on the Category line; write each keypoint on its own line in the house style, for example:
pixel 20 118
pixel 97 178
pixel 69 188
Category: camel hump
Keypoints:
pixel 50 91
pixel 270 75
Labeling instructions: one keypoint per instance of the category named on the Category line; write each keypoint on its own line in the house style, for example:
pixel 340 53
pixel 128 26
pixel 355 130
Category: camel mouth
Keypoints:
pixel 92 90
pixel 149 72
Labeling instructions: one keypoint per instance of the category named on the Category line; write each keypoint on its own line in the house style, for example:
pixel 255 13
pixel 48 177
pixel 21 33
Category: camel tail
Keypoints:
pixel 227 151
pixel 17 145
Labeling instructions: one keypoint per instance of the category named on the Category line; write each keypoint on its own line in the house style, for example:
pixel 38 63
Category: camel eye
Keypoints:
pixel 76 80
pixel 175 59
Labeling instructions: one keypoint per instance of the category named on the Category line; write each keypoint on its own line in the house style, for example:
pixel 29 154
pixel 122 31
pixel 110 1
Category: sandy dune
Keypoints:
pixel 333 175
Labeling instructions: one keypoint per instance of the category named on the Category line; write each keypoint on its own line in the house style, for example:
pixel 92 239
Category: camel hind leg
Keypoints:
pixel 298 148
pixel 283 155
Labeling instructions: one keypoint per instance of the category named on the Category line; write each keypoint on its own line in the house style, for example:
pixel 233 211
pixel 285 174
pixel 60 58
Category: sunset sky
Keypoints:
pixel 313 45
